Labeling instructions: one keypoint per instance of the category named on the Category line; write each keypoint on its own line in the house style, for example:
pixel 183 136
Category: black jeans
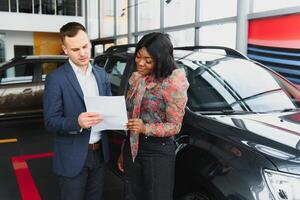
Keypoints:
pixel 88 184
pixel 151 176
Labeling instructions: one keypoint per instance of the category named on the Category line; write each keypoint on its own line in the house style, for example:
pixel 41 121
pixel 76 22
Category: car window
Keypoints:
pixel 21 73
pixel 116 72
pixel 236 84
pixel 48 67
pixel 100 60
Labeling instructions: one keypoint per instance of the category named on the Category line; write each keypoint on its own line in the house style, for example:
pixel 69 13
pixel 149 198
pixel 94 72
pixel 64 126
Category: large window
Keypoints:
pixel 123 40
pixel 107 25
pixel 79 9
pixel 122 16
pixel 184 9
pixel 49 7
pixel 2 50
pixel 4 5
pixel 215 9
pixel 66 7
pixel 25 6
pixel 182 38
pixel 13 6
pixel 148 14
pixel 265 5
pixel 37 7
pixel 189 22
pixel 220 35
pixel 92 19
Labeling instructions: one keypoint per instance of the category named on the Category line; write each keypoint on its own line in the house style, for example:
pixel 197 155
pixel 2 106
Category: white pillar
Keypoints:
pixel 243 8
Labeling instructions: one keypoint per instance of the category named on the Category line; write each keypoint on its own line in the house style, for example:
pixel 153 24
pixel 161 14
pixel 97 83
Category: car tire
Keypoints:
pixel 194 196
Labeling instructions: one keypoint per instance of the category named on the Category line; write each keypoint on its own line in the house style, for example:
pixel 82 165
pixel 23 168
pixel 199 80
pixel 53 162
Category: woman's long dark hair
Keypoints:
pixel 160 48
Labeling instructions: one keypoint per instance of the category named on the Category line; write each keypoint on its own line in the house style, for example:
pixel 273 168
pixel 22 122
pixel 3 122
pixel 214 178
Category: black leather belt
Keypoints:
pixel 153 139
pixel 95 146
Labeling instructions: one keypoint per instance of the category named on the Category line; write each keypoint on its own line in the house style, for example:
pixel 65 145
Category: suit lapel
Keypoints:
pixel 71 77
pixel 99 83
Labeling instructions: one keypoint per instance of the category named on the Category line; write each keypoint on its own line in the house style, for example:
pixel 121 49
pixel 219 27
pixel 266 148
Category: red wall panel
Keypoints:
pixel 279 31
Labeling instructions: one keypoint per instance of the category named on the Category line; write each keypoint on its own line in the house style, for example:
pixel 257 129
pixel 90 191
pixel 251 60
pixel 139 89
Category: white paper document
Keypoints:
pixel 111 108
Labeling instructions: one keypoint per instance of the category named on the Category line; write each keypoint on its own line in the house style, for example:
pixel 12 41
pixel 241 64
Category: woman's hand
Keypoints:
pixel 136 126
pixel 121 162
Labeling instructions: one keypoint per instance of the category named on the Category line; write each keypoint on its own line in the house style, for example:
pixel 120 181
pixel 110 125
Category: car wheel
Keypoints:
pixel 194 196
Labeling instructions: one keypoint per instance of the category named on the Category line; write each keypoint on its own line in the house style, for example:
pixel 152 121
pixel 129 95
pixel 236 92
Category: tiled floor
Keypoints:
pixel 27 155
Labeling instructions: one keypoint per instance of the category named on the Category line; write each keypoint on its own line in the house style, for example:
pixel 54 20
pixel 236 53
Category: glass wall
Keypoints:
pixel 2 51
pixel 123 40
pixel 265 5
pixel 93 24
pixel 218 35
pixel 184 9
pixel 49 7
pixel 148 14
pixel 183 37
pixel 25 6
pixel 188 22
pixel 36 7
pixel 67 7
pixel 107 18
pixel 216 9
pixel 79 7
pixel 13 6
pixel 122 17
pixel 4 5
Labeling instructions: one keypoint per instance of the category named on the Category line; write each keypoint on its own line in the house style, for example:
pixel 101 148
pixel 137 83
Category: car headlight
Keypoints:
pixel 283 185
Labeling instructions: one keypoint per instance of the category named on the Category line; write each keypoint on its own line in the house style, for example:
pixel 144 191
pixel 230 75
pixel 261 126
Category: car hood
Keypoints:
pixel 276 135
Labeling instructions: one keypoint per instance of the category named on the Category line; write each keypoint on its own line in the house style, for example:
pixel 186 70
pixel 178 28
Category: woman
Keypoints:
pixel 156 101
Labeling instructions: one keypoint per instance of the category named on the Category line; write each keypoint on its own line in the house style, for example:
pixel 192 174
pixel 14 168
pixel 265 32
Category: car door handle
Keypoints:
pixel 27 91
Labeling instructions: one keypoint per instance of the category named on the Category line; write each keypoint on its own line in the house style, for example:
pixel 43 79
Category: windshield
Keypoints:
pixel 238 85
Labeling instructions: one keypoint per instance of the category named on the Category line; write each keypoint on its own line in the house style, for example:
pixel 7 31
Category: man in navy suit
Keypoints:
pixel 79 154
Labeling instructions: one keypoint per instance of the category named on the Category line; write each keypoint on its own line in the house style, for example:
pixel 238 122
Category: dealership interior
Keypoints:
pixel 262 37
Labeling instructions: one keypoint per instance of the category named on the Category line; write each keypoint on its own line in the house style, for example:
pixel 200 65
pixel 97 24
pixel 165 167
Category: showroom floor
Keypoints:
pixel 26 160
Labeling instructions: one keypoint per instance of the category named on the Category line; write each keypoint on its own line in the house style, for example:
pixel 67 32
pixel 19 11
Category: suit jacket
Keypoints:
pixel 63 102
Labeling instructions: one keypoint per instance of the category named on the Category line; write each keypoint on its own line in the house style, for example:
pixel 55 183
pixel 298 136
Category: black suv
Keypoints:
pixel 240 137
pixel 22 84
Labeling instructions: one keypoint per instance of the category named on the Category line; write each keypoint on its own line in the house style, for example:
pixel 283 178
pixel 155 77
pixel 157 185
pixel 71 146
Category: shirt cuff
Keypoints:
pixel 148 131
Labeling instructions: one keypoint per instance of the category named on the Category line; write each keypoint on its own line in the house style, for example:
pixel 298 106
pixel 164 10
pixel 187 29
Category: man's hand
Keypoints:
pixel 88 119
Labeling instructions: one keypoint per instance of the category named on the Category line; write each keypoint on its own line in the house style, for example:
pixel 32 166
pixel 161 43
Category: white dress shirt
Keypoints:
pixel 89 87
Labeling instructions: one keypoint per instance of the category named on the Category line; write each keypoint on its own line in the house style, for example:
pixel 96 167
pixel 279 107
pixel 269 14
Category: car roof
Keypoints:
pixel 34 57
pixel 37 57
pixel 205 53
pixel 202 54
pixel 197 55
pixel 129 48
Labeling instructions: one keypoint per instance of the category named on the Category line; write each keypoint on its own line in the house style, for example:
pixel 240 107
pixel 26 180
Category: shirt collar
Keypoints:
pixel 78 71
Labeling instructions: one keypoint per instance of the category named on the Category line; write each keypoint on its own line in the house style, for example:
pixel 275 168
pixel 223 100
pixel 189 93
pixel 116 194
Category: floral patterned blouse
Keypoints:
pixel 159 103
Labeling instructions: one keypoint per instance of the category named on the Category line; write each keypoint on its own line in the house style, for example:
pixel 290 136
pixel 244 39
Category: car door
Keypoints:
pixel 119 69
pixel 115 68
pixel 17 90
